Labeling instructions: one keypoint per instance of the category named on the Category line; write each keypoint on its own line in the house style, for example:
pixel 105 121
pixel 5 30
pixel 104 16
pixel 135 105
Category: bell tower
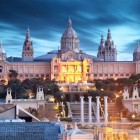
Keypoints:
pixel 107 50
pixel 27 52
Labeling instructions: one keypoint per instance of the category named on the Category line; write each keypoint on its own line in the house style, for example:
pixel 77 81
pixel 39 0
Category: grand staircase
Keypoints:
pixel 113 111
pixel 76 112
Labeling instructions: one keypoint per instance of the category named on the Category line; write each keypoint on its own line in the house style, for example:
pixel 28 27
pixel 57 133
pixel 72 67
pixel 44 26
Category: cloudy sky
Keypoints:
pixel 47 20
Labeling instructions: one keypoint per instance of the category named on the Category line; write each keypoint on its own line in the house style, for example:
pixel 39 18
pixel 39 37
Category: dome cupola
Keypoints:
pixel 69 39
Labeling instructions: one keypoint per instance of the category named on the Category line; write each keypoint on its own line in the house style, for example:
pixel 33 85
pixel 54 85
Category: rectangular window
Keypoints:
pixel 121 74
pixel 20 75
pixel 106 74
pixel 95 75
pixel 116 74
pixel 31 75
pixel 111 74
pixel 127 74
pixel 26 75
pixel 100 75
pixel 136 106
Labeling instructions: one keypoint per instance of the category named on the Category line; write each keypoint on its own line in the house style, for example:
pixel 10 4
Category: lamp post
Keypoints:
pixel 133 117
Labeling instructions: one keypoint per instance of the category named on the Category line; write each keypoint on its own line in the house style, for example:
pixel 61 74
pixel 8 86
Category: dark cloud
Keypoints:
pixel 47 20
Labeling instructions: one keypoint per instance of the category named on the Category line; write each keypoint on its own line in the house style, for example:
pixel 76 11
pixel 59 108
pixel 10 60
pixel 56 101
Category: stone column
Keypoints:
pixel 69 88
pixel 98 109
pixel 82 109
pixel 105 109
pixel 90 109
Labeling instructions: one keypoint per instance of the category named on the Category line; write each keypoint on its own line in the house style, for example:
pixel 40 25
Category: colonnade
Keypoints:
pixel 97 109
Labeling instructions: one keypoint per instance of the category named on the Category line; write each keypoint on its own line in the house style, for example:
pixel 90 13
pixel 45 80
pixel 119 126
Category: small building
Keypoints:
pixel 15 113
pixel 132 103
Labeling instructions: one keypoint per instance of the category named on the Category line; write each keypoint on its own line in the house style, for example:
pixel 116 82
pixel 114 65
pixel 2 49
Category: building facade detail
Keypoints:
pixel 69 64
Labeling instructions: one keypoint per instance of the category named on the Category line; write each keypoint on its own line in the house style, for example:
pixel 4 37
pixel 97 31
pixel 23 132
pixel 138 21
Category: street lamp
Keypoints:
pixel 133 117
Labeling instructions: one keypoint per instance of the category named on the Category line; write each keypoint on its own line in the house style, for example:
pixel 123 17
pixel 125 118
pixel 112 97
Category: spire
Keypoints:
pixel 0 43
pixel 109 34
pixel 102 40
pixel 69 23
pixel 138 44
pixel 1 48
pixel 28 34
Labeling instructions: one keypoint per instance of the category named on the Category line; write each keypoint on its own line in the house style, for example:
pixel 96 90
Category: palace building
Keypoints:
pixel 69 64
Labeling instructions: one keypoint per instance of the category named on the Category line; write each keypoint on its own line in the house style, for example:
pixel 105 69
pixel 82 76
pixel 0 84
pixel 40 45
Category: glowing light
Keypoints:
pixel 133 116
pixel 117 95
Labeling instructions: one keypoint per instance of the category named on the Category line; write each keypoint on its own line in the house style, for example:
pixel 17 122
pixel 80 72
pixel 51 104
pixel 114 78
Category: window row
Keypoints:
pixel 34 75
pixel 106 75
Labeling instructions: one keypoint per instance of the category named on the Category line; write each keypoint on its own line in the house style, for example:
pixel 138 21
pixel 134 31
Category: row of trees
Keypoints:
pixel 106 87
pixel 118 84
pixel 23 89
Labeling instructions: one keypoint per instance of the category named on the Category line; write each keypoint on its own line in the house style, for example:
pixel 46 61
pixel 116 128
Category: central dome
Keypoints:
pixel 69 39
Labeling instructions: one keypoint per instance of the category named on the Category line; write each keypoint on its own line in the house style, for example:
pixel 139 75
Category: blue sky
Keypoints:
pixel 47 20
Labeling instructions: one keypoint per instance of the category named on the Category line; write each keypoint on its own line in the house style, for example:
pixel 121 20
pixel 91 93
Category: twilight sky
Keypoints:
pixel 47 20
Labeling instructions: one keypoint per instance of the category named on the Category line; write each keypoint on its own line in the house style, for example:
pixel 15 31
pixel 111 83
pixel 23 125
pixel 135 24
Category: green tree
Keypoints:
pixel 16 87
pixel 13 74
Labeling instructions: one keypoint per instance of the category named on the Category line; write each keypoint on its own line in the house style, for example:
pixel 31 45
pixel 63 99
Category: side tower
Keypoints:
pixel 108 50
pixel 2 53
pixel 135 93
pixel 40 94
pixel 9 96
pixel 27 52
pixel 125 94
pixel 136 53
pixel 101 49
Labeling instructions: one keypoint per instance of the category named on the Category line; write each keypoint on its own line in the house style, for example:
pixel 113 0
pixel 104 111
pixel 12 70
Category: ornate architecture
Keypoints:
pixel 70 64
pixel 27 53
pixel 107 50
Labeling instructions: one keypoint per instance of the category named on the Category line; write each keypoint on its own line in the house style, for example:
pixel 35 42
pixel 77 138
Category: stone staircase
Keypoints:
pixel 76 112
pixel 113 111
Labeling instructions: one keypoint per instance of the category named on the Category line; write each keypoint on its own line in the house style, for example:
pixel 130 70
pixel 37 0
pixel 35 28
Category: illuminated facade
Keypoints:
pixel 70 64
